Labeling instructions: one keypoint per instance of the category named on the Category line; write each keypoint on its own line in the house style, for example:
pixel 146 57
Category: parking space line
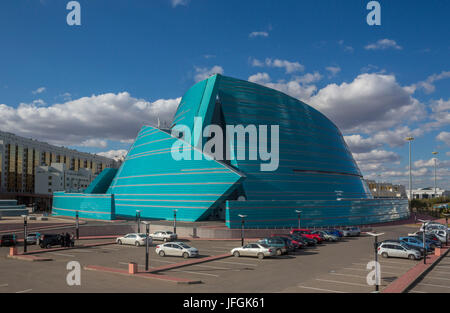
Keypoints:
pixel 4 285
pixel 62 254
pixel 23 291
pixel 319 289
pixel 221 251
pixel 83 251
pixel 214 267
pixel 348 275
pixel 196 273
pixel 389 266
pixel 416 291
pixel 364 270
pixel 247 264
pixel 434 277
pixel 342 282
pixel 431 285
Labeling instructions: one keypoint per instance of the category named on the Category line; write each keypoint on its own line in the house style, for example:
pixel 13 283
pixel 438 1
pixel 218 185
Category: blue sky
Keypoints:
pixel 92 86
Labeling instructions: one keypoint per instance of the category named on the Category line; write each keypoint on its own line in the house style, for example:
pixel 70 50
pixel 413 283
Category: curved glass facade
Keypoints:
pixel 314 173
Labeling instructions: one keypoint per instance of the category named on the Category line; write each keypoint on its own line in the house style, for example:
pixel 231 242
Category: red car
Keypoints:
pixel 297 244
pixel 307 233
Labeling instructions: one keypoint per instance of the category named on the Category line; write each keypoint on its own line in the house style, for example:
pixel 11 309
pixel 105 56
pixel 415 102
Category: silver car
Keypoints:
pixel 351 231
pixel 164 236
pixel 326 235
pixel 176 249
pixel 134 239
pixel 397 250
pixel 259 250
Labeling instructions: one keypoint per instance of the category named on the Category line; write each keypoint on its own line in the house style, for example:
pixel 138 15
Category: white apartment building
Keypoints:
pixel 428 193
pixel 58 178
pixel 20 156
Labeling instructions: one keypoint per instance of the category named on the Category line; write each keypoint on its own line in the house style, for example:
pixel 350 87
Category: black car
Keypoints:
pixel 49 240
pixel 8 240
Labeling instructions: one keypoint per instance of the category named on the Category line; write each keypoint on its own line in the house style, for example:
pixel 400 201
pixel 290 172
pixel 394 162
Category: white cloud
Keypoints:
pixel 203 73
pixel 114 154
pixel 427 85
pixel 39 90
pixel 258 34
pixel 345 47
pixel 430 163
pixel 377 156
pixel 95 143
pixel 101 117
pixel 309 78
pixel 259 78
pixel 358 144
pixel 445 137
pixel 334 70
pixel 371 102
pixel 288 66
pixel 383 44
pixel 176 3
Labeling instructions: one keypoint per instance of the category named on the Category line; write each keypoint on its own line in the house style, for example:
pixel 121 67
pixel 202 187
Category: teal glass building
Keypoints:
pixel 315 173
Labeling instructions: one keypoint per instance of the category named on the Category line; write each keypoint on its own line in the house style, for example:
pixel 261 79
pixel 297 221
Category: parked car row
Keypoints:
pixel 299 238
pixel 413 246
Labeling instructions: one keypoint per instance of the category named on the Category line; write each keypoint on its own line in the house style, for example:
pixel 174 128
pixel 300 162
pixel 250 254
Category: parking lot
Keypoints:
pixel 330 267
pixel 437 280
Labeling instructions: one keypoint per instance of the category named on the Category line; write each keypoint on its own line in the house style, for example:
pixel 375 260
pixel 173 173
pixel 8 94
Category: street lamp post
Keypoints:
pixel 424 241
pixel 377 278
pixel 175 221
pixel 435 159
pixel 147 233
pixel 138 220
pixel 77 225
pixel 446 224
pixel 25 233
pixel 298 217
pixel 242 228
pixel 410 139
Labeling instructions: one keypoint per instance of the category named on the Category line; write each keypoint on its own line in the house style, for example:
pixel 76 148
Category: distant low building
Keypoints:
pixel 386 190
pixel 58 178
pixel 428 193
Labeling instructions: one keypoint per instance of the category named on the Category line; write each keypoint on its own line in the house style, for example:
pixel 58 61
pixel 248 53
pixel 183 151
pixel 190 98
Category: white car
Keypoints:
pixel 397 250
pixel 164 236
pixel 440 234
pixel 434 226
pixel 259 250
pixel 351 231
pixel 176 249
pixel 133 239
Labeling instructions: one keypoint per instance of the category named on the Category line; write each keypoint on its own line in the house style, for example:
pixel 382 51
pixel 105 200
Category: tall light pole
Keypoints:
pixel 424 241
pixel 147 234
pixel 410 139
pixel 377 270
pixel 77 226
pixel 298 217
pixel 175 221
pixel 138 220
pixel 242 227
pixel 435 159
pixel 446 225
pixel 25 235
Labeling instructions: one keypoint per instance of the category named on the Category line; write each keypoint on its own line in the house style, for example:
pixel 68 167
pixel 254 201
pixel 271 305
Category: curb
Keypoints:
pixel 405 283
pixel 143 275
pixel 30 258
pixel 187 263
pixel 69 248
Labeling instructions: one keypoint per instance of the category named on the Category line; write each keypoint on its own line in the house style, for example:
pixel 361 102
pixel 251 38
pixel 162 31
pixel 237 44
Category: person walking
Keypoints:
pixel 67 240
